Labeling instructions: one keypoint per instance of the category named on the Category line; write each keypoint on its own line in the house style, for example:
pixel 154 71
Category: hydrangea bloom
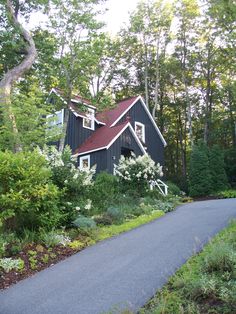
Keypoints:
pixel 140 170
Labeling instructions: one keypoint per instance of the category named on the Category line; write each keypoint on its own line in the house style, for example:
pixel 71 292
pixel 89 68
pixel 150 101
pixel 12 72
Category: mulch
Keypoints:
pixel 44 258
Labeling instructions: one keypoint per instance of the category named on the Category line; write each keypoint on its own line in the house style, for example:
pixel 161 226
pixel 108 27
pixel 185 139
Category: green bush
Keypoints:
pixel 116 215
pixel 3 244
pixel 230 165
pixel 84 223
pixel 217 169
pixel 173 188
pixel 199 172
pixel 104 191
pixel 28 198
pixel 227 194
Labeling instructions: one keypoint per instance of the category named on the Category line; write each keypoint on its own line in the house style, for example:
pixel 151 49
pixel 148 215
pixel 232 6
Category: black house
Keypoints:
pixel 102 137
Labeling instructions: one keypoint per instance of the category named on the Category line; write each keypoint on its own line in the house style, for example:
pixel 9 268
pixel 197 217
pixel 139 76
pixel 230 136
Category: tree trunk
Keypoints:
pixel 157 85
pixel 208 108
pixel 66 112
pixel 15 73
pixel 146 75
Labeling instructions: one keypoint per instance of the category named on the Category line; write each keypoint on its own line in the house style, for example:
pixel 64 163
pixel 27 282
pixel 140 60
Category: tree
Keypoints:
pixel 217 169
pixel 199 172
pixel 73 24
pixel 13 74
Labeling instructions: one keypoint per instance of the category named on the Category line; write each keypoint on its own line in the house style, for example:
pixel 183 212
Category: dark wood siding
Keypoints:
pixel 155 146
pixel 98 158
pixel 76 133
pixel 114 152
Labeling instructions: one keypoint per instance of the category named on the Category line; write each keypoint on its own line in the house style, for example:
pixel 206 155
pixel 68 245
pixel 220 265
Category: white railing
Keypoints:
pixel 162 187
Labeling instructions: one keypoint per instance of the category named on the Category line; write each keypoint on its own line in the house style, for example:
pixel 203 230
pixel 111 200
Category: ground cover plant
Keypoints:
pixel 205 284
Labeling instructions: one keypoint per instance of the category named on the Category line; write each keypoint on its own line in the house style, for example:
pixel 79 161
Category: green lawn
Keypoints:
pixel 107 232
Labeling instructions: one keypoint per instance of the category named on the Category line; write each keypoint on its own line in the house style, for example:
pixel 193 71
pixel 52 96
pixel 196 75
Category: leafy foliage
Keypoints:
pixel 28 197
pixel 217 169
pixel 199 173
pixel 84 223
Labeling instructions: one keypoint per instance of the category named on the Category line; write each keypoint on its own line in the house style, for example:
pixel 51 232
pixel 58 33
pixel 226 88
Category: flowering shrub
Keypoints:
pixel 135 172
pixel 74 182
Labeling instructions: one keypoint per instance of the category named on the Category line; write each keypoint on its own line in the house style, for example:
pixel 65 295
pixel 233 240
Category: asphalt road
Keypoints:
pixel 122 272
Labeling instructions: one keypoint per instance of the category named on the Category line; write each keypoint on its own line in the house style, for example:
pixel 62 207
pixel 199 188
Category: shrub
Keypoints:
pixel 217 169
pixel 74 182
pixel 28 198
pixel 173 188
pixel 116 215
pixel 84 223
pixel 104 191
pixel 199 172
pixel 135 173
pixel 230 165
pixel 3 244
pixel 227 194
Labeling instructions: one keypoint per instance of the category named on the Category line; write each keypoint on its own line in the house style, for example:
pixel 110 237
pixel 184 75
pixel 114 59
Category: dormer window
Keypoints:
pixel 140 131
pixel 88 122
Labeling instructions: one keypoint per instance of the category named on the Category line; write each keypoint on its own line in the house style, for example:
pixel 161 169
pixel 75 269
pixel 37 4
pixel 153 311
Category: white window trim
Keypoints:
pixel 81 161
pixel 143 129
pixel 90 117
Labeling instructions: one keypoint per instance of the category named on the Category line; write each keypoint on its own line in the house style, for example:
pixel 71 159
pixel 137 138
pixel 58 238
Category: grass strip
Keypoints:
pixel 109 231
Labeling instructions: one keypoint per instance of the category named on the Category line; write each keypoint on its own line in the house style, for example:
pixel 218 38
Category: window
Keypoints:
pixel 84 162
pixel 56 118
pixel 88 122
pixel 140 131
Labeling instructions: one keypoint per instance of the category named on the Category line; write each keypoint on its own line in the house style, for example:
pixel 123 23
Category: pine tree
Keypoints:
pixel 217 169
pixel 199 172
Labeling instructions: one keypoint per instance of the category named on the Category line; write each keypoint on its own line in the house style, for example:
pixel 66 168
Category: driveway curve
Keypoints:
pixel 121 272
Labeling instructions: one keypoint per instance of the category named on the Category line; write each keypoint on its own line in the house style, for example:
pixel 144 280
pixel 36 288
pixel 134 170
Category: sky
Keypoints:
pixel 116 15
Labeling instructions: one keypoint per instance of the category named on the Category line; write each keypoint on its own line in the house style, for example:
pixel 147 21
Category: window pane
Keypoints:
pixel 85 163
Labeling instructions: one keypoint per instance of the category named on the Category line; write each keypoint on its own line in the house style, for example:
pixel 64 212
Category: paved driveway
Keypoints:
pixel 121 272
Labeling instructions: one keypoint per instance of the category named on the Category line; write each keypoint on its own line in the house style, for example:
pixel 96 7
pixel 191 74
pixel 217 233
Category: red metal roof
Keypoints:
pixel 110 116
pixel 101 138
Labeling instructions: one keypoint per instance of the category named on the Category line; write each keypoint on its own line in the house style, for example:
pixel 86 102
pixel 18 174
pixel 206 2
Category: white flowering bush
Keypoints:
pixel 74 182
pixel 135 173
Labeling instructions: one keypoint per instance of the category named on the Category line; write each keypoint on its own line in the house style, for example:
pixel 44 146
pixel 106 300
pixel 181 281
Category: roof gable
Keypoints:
pixel 104 137
pixel 111 116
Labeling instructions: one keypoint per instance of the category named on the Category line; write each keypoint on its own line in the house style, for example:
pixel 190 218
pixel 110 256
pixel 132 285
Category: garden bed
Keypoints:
pixel 36 256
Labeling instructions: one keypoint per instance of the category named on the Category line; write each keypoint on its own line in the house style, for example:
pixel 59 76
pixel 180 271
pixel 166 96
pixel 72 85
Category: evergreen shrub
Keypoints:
pixel 199 172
